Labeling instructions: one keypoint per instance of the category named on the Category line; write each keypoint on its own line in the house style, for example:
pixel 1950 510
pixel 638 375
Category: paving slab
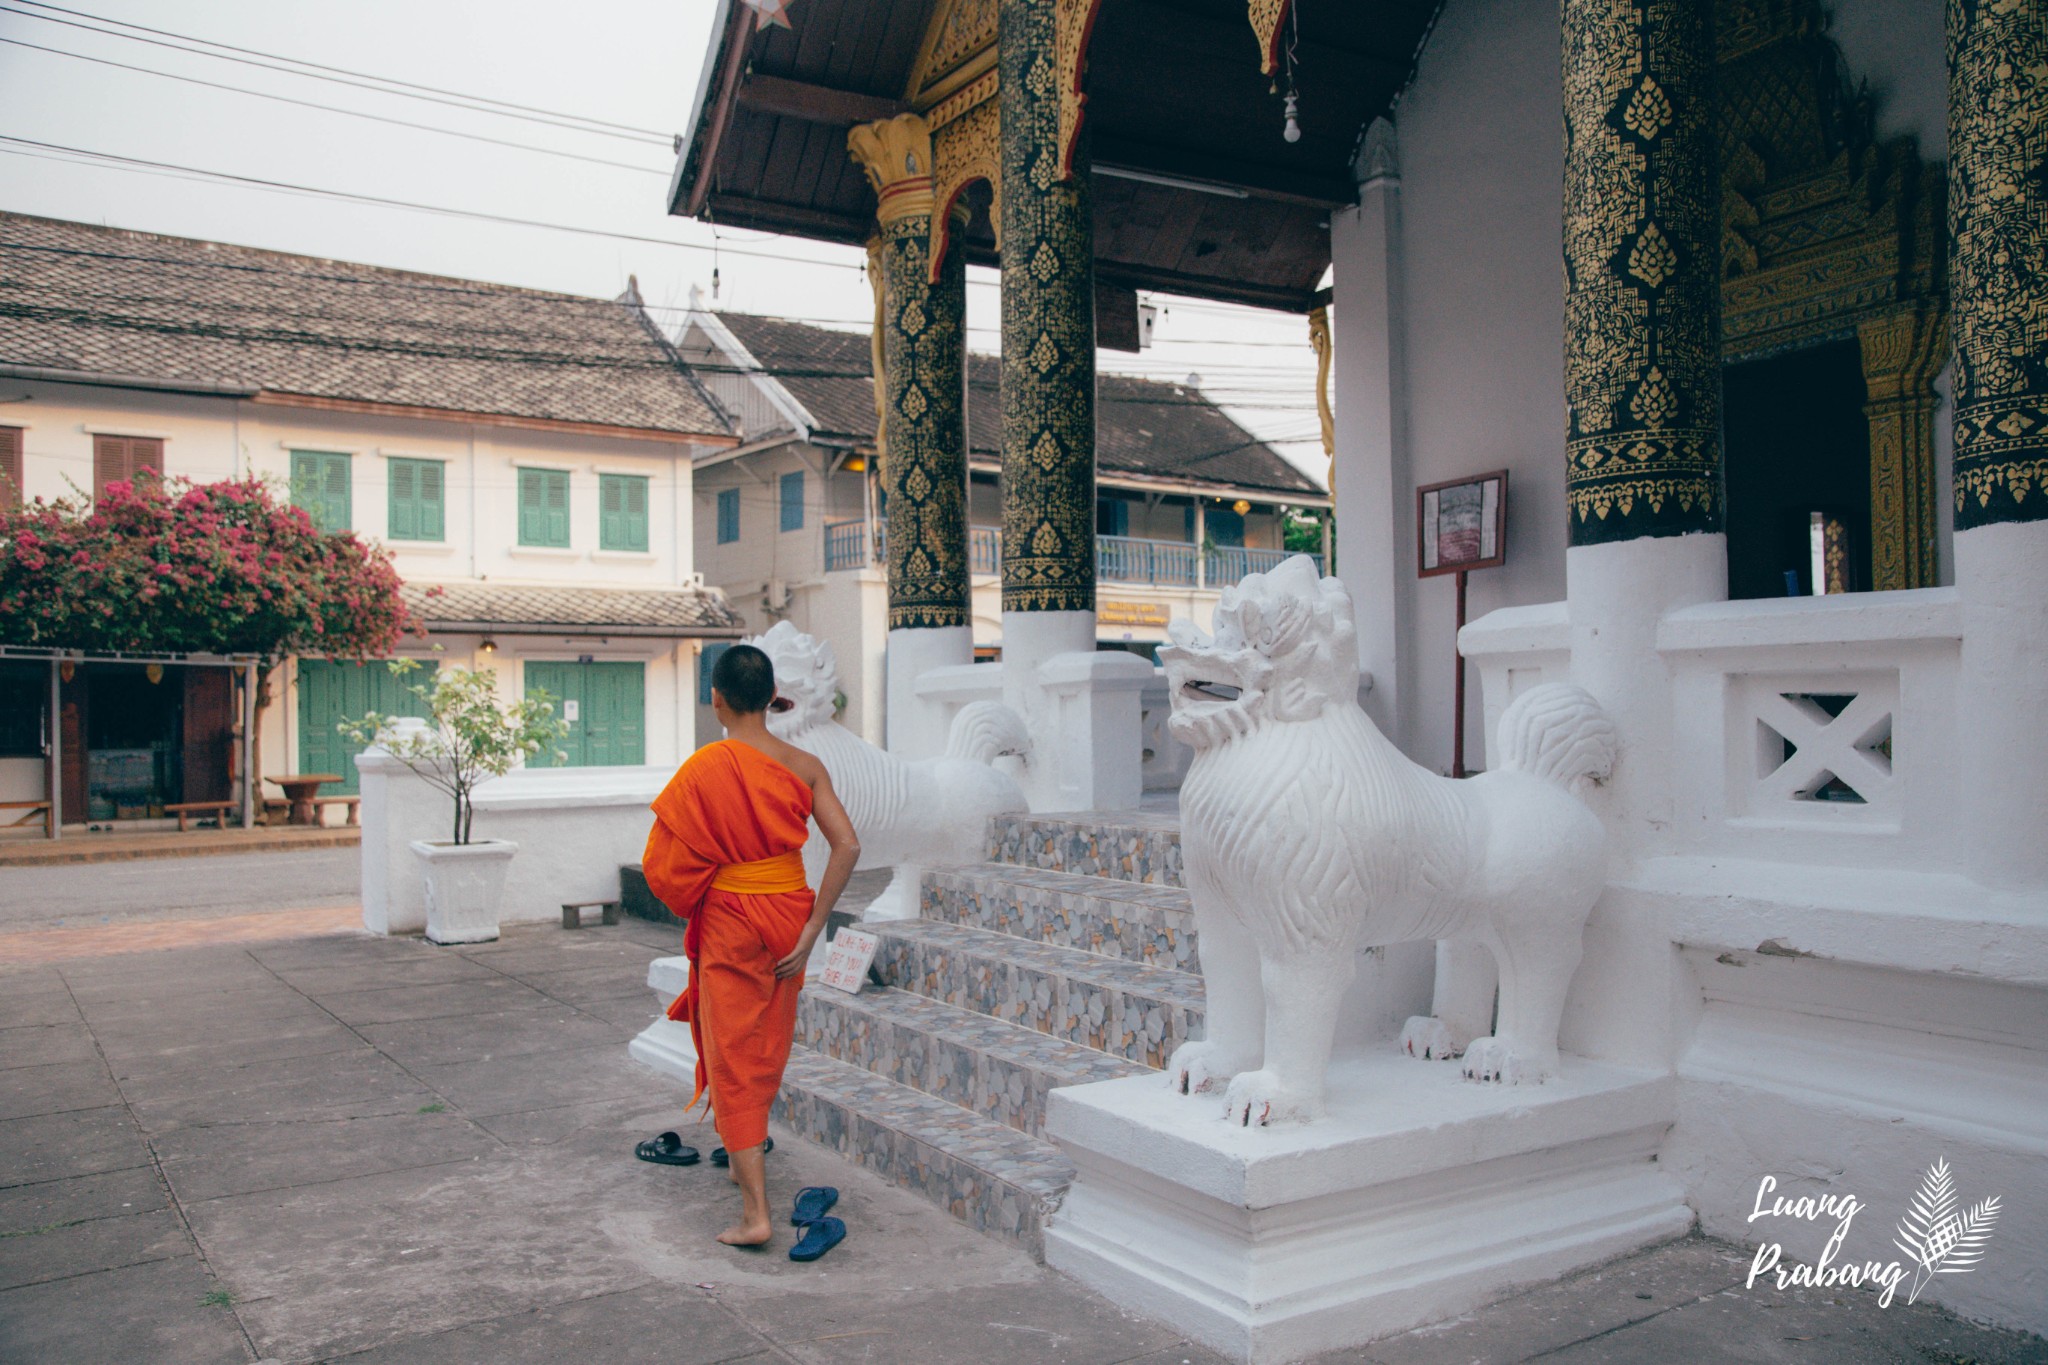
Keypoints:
pixel 58 1253
pixel 550 1027
pixel 650 1325
pixel 601 986
pixel 41 1044
pixel 55 1088
pixel 506 1085
pixel 58 1146
pixel 406 971
pixel 138 1049
pixel 28 998
pixel 452 1000
pixel 153 1312
pixel 224 1160
pixel 363 1084
pixel 78 1199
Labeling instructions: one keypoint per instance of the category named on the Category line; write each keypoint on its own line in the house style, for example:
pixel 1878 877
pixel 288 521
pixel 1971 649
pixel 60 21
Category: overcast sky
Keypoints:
pixel 629 62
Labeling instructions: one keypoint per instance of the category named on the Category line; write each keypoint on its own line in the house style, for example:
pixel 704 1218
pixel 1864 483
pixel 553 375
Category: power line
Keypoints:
pixel 337 109
pixel 380 201
pixel 385 85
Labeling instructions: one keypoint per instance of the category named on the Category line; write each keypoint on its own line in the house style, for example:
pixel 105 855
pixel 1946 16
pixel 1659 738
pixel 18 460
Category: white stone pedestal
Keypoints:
pixel 1420 1196
pixel 665 1044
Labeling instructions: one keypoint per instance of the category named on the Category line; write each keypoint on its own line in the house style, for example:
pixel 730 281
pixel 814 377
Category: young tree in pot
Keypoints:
pixel 466 738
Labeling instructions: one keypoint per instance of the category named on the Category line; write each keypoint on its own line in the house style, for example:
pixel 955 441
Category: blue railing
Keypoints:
pixel 846 545
pixel 1118 559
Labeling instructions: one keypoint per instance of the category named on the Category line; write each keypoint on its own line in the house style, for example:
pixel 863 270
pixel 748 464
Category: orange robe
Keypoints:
pixel 731 804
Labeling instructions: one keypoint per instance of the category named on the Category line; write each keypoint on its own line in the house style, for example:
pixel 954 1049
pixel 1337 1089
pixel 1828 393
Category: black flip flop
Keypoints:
pixel 666 1149
pixel 719 1157
pixel 819 1238
pixel 812 1203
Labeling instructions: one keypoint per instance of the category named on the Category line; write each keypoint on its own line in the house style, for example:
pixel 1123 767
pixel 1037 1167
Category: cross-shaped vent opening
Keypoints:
pixel 1813 715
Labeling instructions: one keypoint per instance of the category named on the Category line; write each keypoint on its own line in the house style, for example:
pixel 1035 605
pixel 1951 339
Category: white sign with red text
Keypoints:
pixel 847 960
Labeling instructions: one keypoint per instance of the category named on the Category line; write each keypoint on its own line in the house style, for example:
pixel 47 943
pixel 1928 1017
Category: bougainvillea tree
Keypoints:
pixel 174 567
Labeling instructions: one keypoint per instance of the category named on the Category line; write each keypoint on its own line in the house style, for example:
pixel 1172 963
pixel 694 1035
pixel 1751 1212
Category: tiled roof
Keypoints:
pixel 74 297
pixel 1144 428
pixel 668 612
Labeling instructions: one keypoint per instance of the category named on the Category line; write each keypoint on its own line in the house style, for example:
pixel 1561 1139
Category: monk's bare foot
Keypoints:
pixel 748 1234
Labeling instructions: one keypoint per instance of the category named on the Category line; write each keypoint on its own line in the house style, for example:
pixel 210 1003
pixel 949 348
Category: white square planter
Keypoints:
pixel 465 883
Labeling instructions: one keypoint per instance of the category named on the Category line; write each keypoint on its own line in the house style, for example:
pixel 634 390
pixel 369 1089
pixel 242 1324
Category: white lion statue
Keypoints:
pixel 910 815
pixel 1309 836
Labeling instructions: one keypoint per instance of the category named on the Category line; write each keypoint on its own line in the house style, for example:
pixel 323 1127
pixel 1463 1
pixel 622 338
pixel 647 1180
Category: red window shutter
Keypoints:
pixel 12 477
pixel 145 459
pixel 127 459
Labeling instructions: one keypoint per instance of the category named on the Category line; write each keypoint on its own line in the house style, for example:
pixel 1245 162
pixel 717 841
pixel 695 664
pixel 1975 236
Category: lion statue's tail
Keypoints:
pixel 1559 733
pixel 982 730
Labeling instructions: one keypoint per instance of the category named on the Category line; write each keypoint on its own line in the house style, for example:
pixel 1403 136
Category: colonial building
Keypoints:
pixel 1746 300
pixel 793 524
pixel 528 454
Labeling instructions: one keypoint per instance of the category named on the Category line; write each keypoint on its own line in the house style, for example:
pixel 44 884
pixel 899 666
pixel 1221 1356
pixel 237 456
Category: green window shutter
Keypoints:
pixel 405 501
pixel 320 485
pixel 416 500
pixel 433 521
pixel 533 515
pixel 728 518
pixel 557 507
pixel 622 512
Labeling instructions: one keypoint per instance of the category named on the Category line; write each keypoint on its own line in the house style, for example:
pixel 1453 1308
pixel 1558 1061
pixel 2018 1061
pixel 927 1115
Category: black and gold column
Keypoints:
pixel 924 362
pixel 1048 368
pixel 1642 271
pixel 1998 257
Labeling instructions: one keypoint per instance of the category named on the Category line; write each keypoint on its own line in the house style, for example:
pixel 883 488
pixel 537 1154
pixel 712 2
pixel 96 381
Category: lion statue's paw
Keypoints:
pixel 1196 1067
pixel 1260 1098
pixel 1495 1059
pixel 1430 1038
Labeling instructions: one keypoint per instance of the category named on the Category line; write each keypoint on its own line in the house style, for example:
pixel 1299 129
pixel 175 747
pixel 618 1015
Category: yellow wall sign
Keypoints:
pixel 1109 613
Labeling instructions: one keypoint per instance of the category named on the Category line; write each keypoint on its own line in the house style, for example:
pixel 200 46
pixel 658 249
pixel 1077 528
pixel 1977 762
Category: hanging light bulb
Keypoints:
pixel 1293 130
pixel 714 272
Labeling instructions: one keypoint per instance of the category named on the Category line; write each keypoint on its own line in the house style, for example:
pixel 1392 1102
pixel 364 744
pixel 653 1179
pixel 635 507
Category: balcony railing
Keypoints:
pixel 1118 559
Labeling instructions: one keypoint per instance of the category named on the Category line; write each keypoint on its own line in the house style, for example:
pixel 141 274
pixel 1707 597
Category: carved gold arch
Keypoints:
pixel 953 84
pixel 1267 17
pixel 1829 234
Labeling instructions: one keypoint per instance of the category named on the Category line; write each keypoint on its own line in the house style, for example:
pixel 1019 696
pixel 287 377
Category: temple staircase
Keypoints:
pixel 1068 957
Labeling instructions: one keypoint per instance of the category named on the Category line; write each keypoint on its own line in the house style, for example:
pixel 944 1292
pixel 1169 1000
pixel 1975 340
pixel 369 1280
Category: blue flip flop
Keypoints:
pixel 819 1238
pixel 812 1203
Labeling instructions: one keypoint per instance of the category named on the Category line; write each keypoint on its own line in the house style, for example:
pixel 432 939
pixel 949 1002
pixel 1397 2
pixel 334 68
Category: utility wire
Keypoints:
pixel 337 109
pixel 477 104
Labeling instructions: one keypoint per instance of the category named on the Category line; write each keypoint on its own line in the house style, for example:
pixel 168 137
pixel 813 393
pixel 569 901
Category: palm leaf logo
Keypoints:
pixel 1940 1240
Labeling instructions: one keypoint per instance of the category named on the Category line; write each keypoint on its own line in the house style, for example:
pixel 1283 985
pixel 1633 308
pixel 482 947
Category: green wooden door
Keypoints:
pixel 330 692
pixel 605 705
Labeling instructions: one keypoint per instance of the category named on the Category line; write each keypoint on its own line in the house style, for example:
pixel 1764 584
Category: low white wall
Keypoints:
pixel 575 827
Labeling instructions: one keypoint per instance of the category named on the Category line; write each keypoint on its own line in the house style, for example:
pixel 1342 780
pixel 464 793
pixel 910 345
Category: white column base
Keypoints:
pixel 1420 1196
pixel 1083 708
pixel 665 1045
pixel 2002 701
pixel 916 726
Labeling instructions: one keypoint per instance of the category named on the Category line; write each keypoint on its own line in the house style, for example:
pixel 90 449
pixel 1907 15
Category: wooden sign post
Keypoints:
pixel 1461 525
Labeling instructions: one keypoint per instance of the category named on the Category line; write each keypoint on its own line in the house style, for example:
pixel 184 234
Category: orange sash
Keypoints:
pixel 774 876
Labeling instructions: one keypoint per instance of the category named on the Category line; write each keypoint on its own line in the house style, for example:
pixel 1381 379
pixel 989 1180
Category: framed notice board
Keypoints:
pixel 1462 524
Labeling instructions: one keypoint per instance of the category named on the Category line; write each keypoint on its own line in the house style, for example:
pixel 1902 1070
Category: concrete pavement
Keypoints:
pixel 74 895
pixel 347 1148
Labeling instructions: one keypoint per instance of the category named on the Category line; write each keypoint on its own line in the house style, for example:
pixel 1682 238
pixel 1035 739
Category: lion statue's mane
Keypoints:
pixel 1308 836
pixel 909 814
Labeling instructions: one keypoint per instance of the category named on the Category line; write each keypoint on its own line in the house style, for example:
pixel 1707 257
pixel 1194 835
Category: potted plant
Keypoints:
pixel 465 738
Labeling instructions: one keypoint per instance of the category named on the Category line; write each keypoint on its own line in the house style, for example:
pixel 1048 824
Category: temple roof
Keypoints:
pixel 666 613
pixel 1196 192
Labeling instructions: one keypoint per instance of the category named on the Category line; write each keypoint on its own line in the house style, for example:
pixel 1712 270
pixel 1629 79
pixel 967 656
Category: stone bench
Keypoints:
pixel 572 913
pixel 353 803
pixel 187 811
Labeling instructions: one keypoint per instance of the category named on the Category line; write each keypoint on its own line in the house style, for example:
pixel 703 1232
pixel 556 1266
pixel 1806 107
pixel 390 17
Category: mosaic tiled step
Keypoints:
pixel 1127 845
pixel 1126 1008
pixel 1135 921
pixel 986 1174
pixel 1000 1070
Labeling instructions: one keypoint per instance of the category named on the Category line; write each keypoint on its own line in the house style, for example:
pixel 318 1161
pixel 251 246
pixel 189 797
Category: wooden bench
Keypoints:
pixel 572 913
pixel 191 810
pixel 352 802
pixel 29 811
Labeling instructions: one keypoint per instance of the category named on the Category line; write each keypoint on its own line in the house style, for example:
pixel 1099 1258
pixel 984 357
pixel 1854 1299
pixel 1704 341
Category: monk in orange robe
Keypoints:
pixel 726 852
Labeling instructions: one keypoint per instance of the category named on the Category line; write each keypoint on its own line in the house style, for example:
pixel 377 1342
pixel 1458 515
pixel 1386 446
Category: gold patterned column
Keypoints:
pixel 1998 257
pixel 1048 365
pixel 1642 271
pixel 1902 352
pixel 924 364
